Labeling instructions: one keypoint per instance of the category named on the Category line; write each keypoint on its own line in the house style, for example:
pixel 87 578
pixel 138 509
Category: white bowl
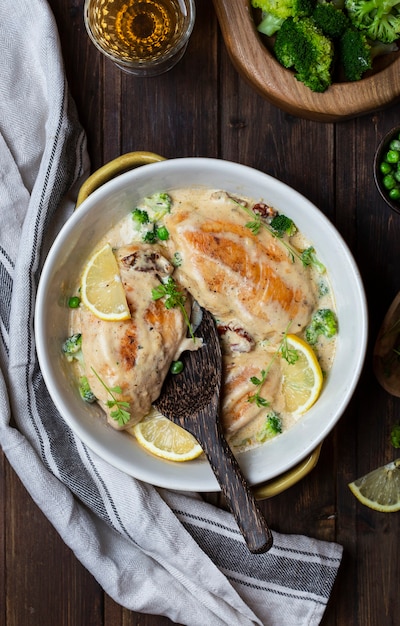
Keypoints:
pixel 101 210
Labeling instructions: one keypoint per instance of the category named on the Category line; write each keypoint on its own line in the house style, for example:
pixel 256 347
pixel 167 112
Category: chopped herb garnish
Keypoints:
pixel 290 355
pixel 254 225
pixel 120 415
pixel 258 382
pixel 173 298
pixel 307 257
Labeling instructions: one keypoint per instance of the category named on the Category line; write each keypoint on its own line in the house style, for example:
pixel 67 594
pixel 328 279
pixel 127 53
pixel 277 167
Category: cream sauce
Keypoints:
pixel 252 285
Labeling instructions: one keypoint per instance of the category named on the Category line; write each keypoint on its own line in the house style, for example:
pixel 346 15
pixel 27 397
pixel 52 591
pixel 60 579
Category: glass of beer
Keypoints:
pixel 142 37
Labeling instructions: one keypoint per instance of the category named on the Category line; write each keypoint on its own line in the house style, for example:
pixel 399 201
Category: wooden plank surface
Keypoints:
pixel 204 108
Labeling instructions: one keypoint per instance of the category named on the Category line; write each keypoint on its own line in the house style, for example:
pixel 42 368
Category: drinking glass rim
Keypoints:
pixel 138 64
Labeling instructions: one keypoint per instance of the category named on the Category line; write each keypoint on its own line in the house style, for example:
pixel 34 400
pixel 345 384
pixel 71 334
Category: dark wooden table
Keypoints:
pixel 203 108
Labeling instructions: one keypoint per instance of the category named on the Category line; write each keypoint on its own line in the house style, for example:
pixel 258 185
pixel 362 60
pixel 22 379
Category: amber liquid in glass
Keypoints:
pixel 133 30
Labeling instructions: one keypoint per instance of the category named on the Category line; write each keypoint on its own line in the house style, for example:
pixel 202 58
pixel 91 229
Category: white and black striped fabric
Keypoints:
pixel 153 551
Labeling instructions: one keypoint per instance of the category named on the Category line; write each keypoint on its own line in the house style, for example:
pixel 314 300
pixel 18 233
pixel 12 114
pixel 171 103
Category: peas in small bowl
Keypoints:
pixel 387 168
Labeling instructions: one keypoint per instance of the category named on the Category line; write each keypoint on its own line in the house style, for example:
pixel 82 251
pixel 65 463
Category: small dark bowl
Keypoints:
pixel 378 176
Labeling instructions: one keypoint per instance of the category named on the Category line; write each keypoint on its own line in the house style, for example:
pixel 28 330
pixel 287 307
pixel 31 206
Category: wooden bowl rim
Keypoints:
pixel 257 65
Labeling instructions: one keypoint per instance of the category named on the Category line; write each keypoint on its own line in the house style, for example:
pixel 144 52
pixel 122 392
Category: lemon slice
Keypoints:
pixel 101 290
pixel 159 435
pixel 301 380
pixel 380 489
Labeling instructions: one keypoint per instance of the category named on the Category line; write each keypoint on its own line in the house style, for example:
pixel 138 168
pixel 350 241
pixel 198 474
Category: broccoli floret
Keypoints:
pixel 323 288
pixel 157 233
pixel 282 225
pixel 309 257
pixel 72 347
pixel 150 236
pixel 285 8
pixel 323 322
pixel 332 21
pixel 269 24
pixel 85 392
pixel 160 203
pixel 139 216
pixel 177 259
pixel 379 19
pixel 271 427
pixel 355 54
pixel 301 45
pixel 395 436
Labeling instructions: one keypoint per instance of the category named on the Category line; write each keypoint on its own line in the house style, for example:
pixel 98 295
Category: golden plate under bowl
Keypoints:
pixel 252 59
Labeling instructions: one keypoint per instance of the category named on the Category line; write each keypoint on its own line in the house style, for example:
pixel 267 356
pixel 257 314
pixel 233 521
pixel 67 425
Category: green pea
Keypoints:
pixel 74 302
pixel 385 167
pixel 392 156
pixel 176 367
pixel 162 233
pixel 396 175
pixel 395 144
pixel 394 194
pixel 389 181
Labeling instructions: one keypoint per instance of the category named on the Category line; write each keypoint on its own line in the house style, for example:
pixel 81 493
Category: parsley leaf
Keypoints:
pixel 121 414
pixel 173 298
pixel 290 355
pixel 307 257
pixel 255 225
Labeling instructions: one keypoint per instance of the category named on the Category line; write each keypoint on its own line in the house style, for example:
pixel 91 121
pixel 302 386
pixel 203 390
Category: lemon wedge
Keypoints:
pixel 301 380
pixel 379 489
pixel 101 287
pixel 167 440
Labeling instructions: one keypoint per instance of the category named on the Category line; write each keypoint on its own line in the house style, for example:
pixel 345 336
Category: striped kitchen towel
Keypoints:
pixel 152 550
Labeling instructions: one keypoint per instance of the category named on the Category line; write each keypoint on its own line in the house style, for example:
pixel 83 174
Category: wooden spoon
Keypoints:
pixel 386 360
pixel 191 400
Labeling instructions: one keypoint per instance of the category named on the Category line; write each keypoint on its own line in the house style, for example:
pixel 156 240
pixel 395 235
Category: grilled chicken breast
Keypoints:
pixel 136 354
pixel 237 410
pixel 245 280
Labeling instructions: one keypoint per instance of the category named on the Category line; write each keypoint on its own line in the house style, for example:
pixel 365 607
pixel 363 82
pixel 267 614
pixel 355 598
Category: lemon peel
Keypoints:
pixel 380 488
pixel 102 291
pixel 301 380
pixel 163 438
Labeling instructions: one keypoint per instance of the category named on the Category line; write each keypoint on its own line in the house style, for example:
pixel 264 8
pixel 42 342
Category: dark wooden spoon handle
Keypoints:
pixel 233 484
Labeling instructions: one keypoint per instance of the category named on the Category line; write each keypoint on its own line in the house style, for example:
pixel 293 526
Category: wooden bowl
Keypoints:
pixel 255 62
